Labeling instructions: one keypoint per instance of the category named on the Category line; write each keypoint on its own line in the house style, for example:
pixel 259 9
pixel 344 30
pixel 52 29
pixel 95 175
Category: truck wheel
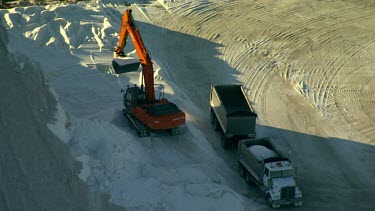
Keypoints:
pixel 248 178
pixel 298 204
pixel 270 202
pixel 242 171
pixel 224 142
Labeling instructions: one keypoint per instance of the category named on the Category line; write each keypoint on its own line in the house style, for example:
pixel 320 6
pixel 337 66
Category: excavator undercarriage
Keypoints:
pixel 159 115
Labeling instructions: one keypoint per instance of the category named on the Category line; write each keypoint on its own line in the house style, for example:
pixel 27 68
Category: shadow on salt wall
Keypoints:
pixel 333 173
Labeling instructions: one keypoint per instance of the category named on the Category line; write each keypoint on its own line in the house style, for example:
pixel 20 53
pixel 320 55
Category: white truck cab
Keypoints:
pixel 279 180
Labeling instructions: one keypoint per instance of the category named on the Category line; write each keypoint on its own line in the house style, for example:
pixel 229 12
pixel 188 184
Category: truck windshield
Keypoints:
pixel 282 173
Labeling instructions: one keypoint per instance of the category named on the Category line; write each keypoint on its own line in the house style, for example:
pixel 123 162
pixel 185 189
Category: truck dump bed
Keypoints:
pixel 261 152
pixel 251 159
pixel 233 99
pixel 233 111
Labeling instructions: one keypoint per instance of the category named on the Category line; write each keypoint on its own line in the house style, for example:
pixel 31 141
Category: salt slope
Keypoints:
pixel 38 172
pixel 72 45
pixel 58 39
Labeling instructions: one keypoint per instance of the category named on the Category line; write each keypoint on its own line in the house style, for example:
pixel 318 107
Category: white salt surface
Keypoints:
pixel 305 82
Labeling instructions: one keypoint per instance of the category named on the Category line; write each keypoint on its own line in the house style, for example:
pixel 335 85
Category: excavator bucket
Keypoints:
pixel 125 64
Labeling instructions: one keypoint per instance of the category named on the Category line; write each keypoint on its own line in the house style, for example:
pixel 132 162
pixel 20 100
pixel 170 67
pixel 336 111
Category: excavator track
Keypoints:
pixel 142 130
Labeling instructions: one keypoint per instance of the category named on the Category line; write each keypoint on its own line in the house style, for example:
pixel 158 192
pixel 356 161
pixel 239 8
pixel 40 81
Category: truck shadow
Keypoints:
pixel 332 173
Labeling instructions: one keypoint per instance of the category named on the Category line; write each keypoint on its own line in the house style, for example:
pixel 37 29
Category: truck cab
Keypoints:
pixel 275 170
pixel 279 180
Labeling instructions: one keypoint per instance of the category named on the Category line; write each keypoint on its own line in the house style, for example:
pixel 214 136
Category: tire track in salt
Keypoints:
pixel 293 38
pixel 339 66
pixel 349 94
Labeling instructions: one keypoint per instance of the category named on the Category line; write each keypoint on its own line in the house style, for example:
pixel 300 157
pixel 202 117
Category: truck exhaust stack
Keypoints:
pixel 125 64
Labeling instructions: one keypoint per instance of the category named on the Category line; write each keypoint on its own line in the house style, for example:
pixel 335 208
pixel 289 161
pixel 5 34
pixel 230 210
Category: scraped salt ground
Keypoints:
pixel 160 172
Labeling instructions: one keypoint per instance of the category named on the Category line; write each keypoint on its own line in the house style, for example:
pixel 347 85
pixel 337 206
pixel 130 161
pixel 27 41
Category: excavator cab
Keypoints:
pixel 133 97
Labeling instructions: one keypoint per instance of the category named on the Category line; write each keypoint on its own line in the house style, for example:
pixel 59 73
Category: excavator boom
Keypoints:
pixel 123 64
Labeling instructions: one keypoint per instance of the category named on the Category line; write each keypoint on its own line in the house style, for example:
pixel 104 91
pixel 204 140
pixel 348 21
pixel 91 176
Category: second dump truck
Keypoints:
pixel 262 164
pixel 231 113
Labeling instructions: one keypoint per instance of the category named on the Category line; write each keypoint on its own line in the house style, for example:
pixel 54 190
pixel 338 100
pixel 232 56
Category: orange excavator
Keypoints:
pixel 143 111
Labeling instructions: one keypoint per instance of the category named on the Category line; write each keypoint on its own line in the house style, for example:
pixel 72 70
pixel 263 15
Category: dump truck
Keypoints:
pixel 231 113
pixel 262 164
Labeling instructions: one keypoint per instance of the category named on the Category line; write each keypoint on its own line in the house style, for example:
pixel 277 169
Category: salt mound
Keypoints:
pixel 47 15
pixel 66 27
pixel 16 18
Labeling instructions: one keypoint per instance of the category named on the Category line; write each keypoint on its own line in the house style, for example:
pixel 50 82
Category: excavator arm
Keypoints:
pixel 128 28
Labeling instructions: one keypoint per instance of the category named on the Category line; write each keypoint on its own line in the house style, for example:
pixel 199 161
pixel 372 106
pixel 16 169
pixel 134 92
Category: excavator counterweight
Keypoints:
pixel 143 111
